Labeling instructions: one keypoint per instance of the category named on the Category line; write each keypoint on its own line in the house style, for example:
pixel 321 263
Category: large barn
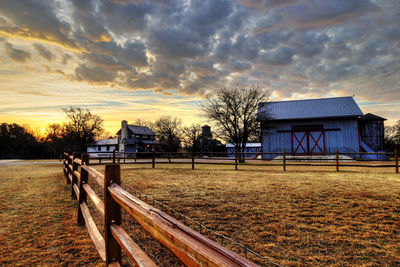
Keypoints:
pixel 318 126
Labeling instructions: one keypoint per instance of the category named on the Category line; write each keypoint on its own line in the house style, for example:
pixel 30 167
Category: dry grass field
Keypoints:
pixel 38 219
pixel 302 217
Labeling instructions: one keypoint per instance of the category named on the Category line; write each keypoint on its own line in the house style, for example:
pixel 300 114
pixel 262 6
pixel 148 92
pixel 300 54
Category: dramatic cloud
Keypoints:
pixel 16 54
pixel 293 48
pixel 43 51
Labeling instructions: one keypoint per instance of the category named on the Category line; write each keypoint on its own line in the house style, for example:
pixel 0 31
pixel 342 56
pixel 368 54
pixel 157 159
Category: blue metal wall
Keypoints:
pixel 344 140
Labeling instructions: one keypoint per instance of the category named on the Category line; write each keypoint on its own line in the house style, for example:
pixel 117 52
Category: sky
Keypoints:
pixel 137 59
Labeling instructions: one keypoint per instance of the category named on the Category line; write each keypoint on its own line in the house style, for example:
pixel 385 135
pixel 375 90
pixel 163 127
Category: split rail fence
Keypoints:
pixel 192 248
pixel 354 159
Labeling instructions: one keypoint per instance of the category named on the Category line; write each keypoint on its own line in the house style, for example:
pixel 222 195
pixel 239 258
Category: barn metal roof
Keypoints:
pixel 336 107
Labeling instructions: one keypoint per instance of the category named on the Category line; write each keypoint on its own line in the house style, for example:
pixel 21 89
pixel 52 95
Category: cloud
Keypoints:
pixel 37 21
pixel 293 48
pixel 43 52
pixel 93 74
pixel 16 54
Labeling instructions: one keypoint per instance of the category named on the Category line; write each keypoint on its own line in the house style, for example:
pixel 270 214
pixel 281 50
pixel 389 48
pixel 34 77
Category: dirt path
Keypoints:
pixel 38 218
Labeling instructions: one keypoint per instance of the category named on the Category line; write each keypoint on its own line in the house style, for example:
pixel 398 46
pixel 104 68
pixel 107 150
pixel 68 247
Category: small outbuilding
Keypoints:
pixel 100 147
pixel 318 126
pixel 250 149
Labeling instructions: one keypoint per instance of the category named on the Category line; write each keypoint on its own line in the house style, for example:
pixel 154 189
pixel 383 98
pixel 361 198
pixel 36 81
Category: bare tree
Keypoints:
pixel 144 123
pixel 392 137
pixel 233 112
pixel 168 131
pixel 82 128
pixel 191 137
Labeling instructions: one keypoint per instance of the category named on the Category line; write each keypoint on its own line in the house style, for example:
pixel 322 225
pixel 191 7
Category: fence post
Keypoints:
pixel 114 156
pixel 82 192
pixel 153 162
pixel 192 159
pixel 337 160
pixel 66 166
pixel 396 160
pixel 68 163
pixel 284 160
pixel 236 159
pixel 112 213
pixel 74 178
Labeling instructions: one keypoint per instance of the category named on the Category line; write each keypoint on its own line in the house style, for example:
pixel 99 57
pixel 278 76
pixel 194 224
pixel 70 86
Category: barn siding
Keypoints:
pixel 345 140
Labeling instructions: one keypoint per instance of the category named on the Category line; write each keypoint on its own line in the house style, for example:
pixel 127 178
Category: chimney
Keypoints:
pixel 124 129
pixel 123 135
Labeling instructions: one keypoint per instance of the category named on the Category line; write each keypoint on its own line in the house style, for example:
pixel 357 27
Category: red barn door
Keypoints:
pixel 308 140
pixel 299 143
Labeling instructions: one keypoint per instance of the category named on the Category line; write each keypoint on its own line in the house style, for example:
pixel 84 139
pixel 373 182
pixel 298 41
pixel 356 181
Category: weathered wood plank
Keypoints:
pixel 97 202
pixel 71 157
pixel 70 177
pixel 98 176
pixel 94 233
pixel 70 167
pixel 77 175
pixel 76 190
pixel 131 248
pixel 191 247
pixel 78 161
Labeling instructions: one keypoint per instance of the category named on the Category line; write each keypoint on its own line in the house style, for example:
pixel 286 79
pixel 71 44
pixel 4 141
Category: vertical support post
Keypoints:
pixel 82 192
pixel 68 170
pixel 284 160
pixel 124 156
pixel 396 160
pixel 192 159
pixel 337 160
pixel 112 213
pixel 169 157
pixel 236 159
pixel 153 162
pixel 114 156
pixel 74 178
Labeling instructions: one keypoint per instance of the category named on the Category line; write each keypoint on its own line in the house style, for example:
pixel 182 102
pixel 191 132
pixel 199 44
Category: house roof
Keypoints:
pixel 336 107
pixel 372 117
pixel 139 130
pixel 104 142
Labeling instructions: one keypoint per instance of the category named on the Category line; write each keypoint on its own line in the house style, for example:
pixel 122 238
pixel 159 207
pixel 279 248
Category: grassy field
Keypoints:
pixel 38 219
pixel 302 217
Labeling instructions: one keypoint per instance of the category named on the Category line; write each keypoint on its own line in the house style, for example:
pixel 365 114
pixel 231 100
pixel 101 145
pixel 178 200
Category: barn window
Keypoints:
pixel 98 148
pixel 108 148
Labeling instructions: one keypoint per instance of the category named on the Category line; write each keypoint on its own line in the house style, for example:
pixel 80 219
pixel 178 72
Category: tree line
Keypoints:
pixel 232 112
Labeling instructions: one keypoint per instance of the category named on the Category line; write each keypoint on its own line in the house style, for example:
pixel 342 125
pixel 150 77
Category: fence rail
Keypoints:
pixel 192 248
pixel 235 159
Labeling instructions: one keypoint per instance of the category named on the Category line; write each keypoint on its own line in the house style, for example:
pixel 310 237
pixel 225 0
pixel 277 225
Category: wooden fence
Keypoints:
pixel 192 248
pixel 222 158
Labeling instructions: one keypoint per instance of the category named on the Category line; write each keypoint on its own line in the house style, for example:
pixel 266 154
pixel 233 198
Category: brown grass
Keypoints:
pixel 305 216
pixel 38 219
